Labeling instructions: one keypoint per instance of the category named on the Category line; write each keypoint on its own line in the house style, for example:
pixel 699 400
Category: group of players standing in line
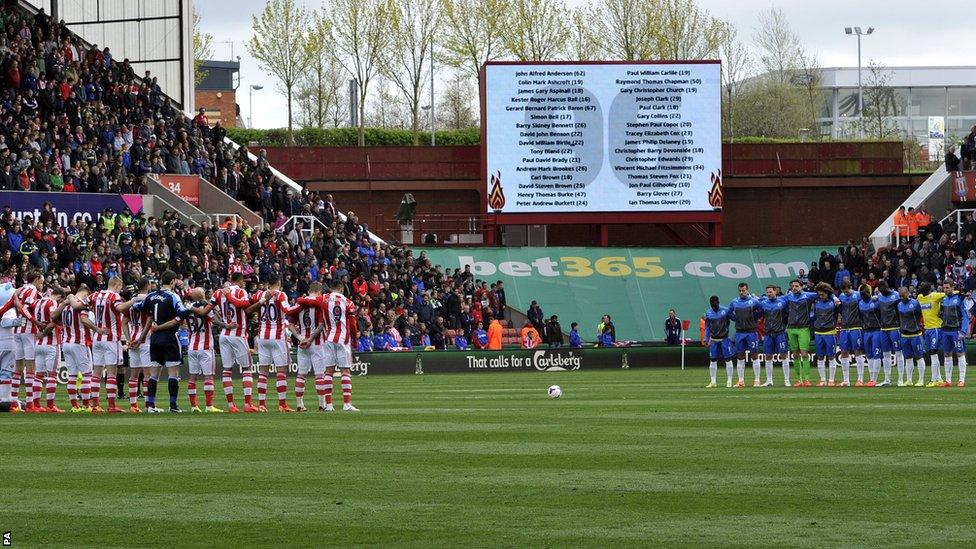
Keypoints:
pixel 873 328
pixel 92 330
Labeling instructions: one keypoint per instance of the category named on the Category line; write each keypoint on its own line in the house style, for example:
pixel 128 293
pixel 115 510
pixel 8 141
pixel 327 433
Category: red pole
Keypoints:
pixel 604 235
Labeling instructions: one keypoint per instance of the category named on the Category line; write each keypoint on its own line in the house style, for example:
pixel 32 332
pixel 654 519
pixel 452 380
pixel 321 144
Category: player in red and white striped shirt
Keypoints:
pixel 231 304
pixel 47 347
pixel 24 351
pixel 337 335
pixel 200 354
pixel 109 316
pixel 308 323
pixel 136 345
pixel 76 340
pixel 272 342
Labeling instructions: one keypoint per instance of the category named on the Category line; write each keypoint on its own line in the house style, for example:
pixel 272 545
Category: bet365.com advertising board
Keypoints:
pixel 603 137
pixel 635 286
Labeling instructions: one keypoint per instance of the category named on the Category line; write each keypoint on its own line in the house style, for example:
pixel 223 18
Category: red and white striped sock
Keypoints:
pixel 133 391
pixel 228 381
pixel 281 384
pixel 300 391
pixel 320 388
pixel 111 390
pixel 208 391
pixel 15 386
pixel 346 389
pixel 248 387
pixel 38 388
pixel 72 392
pixel 29 387
pixel 86 386
pixel 262 389
pixel 328 389
pixel 52 388
pixel 95 389
pixel 191 391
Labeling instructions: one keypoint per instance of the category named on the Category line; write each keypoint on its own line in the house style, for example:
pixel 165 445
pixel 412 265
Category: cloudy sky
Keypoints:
pixel 907 33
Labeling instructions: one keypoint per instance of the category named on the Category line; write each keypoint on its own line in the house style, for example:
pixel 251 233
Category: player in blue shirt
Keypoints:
pixel 717 319
pixel 775 310
pixel 889 337
pixel 745 311
pixel 870 312
pixel 910 329
pixel 825 332
pixel 851 334
pixel 955 321
pixel 575 341
pixel 479 337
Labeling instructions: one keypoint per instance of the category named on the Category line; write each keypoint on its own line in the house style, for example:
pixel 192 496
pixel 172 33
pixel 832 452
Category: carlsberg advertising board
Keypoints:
pixel 635 286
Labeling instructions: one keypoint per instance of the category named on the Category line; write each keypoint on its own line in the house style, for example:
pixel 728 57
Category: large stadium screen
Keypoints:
pixel 603 137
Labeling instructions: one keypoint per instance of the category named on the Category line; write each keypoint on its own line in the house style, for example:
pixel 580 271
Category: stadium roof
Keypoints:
pixel 902 77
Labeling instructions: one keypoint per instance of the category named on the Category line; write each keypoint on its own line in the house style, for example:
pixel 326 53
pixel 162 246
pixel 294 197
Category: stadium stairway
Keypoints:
pixel 933 192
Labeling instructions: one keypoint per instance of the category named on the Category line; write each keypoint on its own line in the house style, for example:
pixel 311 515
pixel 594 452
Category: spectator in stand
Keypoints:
pixel 575 341
pixel 827 272
pixel 606 337
pixel 535 316
pixel 900 221
pixel 554 332
pixel 495 335
pixel 814 275
pixel 840 275
pixel 479 337
pixel 460 342
pixel 911 218
pixel 951 160
pixel 500 300
pixel 672 328
pixel 607 324
pixel 923 220
pixel 529 336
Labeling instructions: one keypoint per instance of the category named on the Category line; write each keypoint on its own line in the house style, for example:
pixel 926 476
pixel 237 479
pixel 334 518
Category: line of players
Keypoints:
pixel 92 330
pixel 877 329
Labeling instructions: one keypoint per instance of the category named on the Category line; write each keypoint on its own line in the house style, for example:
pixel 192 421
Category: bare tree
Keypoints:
pixel 627 28
pixel 387 109
pixel 280 44
pixel 582 44
pixel 360 33
pixel 406 65
pixel 736 64
pixel 779 46
pixel 880 103
pixel 537 30
pixel 455 111
pixel 472 33
pixel 319 90
pixel 202 49
pixel 687 32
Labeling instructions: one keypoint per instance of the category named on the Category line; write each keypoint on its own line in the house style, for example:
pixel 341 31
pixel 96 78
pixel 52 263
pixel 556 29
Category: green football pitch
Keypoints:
pixel 626 458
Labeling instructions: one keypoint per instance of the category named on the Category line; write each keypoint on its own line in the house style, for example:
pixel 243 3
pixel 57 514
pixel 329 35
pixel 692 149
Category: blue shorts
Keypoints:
pixel 933 337
pixel 851 340
pixel 871 344
pixel 775 343
pixel 950 341
pixel 720 349
pixel 824 344
pixel 890 341
pixel 912 347
pixel 746 342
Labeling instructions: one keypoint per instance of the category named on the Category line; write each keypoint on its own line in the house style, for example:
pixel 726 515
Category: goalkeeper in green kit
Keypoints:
pixel 798 330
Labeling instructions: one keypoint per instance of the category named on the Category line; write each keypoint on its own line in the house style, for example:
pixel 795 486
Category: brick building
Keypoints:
pixel 217 92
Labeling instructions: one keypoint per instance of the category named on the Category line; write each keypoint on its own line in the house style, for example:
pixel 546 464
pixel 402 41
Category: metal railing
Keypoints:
pixel 436 230
pixel 958 215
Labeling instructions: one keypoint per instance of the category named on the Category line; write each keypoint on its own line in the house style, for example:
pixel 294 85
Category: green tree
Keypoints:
pixel 280 44
pixel 880 104
pixel 736 64
pixel 202 49
pixel 473 33
pixel 537 30
pixel 687 32
pixel 406 66
pixel 626 29
pixel 319 90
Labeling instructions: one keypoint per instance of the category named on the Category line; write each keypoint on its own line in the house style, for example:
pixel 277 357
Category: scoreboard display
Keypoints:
pixel 602 137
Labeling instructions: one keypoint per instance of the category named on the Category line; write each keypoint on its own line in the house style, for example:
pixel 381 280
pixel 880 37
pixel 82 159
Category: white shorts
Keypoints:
pixel 233 350
pixel 139 357
pixel 201 362
pixel 106 353
pixel 311 360
pixel 337 354
pixel 272 352
pixel 47 358
pixel 77 358
pixel 24 346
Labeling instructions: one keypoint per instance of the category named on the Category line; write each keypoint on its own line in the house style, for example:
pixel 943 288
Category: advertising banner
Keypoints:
pixel 602 136
pixel 186 187
pixel 69 206
pixel 635 286
pixel 963 186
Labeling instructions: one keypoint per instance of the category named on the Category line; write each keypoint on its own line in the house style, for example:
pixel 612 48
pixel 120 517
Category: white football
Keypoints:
pixel 555 391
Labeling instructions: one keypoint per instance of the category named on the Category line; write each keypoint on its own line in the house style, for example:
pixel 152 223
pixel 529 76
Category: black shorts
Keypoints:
pixel 164 350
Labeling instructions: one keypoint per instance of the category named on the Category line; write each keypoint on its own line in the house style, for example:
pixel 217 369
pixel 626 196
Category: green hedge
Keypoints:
pixel 347 137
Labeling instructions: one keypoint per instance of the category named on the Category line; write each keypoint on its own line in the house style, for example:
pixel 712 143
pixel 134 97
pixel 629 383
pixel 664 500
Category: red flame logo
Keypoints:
pixel 715 195
pixel 496 197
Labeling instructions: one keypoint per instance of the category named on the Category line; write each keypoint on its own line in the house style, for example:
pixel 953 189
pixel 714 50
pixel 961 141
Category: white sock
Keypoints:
pixel 936 368
pixel 786 372
pixel 874 365
pixel 859 361
pixel 740 365
pixel 769 371
pixel 756 368
pixel 728 369
pixel 886 364
pixel 832 368
pixel 845 364
pixel 712 371
pixel 920 364
pixel 948 368
pixel 321 401
pixel 909 370
pixel 900 361
pixel 822 370
pixel 962 367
